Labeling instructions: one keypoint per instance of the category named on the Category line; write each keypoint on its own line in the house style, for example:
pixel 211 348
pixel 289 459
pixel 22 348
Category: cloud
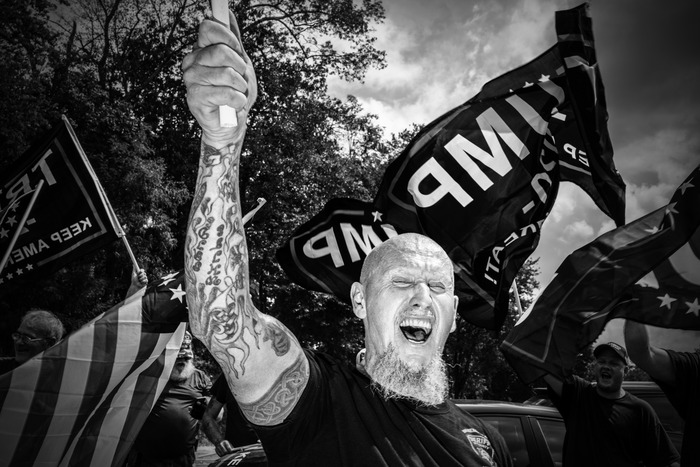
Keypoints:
pixel 578 230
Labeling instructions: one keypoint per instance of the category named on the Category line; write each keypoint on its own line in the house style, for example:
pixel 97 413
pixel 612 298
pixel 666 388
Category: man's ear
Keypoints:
pixel 454 319
pixel 357 297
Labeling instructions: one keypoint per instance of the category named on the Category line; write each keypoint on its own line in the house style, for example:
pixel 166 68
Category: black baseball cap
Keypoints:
pixel 615 347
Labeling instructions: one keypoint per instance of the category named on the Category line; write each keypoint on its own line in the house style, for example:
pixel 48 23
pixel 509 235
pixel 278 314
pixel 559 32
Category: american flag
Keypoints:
pixel 647 271
pixel 83 401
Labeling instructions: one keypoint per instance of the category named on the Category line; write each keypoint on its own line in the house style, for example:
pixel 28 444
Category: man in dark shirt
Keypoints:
pixel 678 375
pixel 605 425
pixel 168 437
pixel 308 408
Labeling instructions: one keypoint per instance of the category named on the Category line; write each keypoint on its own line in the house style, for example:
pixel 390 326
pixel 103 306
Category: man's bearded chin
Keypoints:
pixel 182 370
pixel 394 379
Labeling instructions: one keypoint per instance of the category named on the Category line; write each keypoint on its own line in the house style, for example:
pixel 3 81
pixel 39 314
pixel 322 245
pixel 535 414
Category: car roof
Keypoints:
pixel 477 406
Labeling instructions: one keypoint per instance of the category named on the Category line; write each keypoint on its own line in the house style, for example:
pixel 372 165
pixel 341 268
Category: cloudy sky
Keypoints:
pixel 440 53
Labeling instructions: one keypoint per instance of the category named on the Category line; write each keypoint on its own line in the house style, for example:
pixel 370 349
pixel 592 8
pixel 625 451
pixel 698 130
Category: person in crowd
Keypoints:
pixel 168 437
pixel 238 430
pixel 678 375
pixel 38 330
pixel 307 407
pixel 605 425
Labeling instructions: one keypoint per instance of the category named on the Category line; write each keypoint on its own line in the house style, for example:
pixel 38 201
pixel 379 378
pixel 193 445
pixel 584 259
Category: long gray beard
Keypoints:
pixel 181 373
pixel 396 380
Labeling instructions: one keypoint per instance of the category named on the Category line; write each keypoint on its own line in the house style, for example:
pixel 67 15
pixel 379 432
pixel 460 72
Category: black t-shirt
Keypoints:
pixel 684 395
pixel 238 430
pixel 341 421
pixel 170 431
pixel 610 432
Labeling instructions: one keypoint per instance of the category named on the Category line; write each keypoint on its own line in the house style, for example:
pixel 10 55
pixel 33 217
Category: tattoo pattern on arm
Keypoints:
pixel 274 407
pixel 221 313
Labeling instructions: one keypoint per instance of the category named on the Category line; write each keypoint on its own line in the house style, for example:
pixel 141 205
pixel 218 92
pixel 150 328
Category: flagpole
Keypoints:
pixel 251 213
pixel 128 249
pixel 227 115
pixel 517 298
pixel 116 225
pixel 6 256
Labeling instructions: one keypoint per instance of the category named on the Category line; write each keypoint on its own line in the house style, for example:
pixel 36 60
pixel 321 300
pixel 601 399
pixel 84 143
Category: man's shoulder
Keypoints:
pixel 199 380
pixel 633 400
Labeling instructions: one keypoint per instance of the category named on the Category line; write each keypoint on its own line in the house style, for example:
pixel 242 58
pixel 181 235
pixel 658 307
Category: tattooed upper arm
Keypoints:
pixel 278 402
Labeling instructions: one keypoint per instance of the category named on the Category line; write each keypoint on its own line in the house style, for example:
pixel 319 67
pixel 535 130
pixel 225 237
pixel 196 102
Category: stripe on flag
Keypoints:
pixel 83 401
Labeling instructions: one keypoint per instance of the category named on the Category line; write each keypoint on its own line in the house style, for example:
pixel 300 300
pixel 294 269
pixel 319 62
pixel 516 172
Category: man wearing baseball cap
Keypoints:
pixel 605 425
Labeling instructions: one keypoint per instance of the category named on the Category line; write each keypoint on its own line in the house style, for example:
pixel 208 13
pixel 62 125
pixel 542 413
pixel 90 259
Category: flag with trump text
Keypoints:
pixel 647 271
pixel 83 401
pixel 327 252
pixel 481 179
pixel 70 217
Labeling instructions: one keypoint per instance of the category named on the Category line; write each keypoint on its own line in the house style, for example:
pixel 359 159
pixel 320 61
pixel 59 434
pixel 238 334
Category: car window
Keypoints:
pixel 511 429
pixel 554 432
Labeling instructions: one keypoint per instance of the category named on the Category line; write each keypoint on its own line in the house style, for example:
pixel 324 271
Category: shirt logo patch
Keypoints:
pixel 481 445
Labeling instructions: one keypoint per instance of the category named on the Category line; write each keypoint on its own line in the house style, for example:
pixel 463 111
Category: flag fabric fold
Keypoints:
pixel 646 270
pixel 71 215
pixel 83 401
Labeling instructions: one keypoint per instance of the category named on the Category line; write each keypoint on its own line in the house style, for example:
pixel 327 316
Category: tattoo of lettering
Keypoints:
pixel 274 407
pixel 216 264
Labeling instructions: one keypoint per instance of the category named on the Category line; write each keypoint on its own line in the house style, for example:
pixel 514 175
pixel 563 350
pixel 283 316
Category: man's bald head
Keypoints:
pixel 399 247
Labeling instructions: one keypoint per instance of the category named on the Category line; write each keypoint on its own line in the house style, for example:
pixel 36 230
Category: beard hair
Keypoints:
pixel 394 379
pixel 182 372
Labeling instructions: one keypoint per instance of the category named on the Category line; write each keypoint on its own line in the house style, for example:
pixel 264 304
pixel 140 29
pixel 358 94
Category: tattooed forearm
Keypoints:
pixel 274 407
pixel 217 261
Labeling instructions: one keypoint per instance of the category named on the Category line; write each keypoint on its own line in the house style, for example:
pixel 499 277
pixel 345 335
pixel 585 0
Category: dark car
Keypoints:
pixel 645 390
pixel 534 433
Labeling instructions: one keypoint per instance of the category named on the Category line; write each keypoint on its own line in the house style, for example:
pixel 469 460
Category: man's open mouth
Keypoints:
pixel 416 330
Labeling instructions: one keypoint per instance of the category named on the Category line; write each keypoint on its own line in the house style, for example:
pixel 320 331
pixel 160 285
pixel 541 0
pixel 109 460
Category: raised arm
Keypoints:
pixel 264 364
pixel 653 360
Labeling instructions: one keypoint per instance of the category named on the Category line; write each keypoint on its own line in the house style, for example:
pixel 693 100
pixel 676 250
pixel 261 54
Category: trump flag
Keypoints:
pixel 327 252
pixel 83 401
pixel 70 217
pixel 481 179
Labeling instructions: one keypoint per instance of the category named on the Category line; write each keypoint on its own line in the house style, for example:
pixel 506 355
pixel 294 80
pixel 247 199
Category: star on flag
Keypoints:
pixel 666 301
pixel 685 186
pixel 178 293
pixel 693 307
